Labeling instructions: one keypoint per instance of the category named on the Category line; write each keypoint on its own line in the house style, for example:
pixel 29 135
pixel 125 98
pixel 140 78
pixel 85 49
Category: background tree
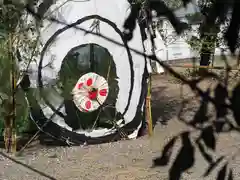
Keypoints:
pixel 17 38
pixel 209 35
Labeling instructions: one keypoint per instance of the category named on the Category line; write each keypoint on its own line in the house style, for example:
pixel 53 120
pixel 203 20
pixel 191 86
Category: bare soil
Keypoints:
pixel 124 160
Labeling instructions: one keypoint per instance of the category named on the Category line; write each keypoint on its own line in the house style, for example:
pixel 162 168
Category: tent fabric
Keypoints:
pixel 58 39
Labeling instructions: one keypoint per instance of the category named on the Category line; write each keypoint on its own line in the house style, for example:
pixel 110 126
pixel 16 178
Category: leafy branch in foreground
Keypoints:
pixel 225 102
pixel 226 118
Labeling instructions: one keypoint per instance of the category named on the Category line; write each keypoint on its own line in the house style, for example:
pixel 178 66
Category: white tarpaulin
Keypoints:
pixel 77 20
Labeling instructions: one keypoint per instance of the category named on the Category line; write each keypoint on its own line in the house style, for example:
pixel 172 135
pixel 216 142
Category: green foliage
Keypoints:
pixel 173 4
pixel 206 43
pixel 19 31
pixel 5 94
pixel 10 15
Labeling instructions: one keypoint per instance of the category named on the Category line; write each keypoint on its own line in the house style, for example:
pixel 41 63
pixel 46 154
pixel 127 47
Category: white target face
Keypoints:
pixel 90 92
pixel 118 98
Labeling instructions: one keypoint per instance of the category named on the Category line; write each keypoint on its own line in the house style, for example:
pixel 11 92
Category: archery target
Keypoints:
pixel 90 92
pixel 123 94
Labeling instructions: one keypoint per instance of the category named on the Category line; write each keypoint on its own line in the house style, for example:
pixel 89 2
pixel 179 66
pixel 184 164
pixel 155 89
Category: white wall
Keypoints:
pixel 179 49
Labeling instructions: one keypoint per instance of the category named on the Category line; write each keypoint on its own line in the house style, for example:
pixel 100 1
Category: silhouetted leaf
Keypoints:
pixel 25 83
pixel 44 6
pixel 206 156
pixel 201 115
pixel 218 9
pixel 219 126
pixel 185 2
pixel 162 10
pixel 208 137
pixel 232 33
pixel 220 95
pixel 230 175
pixel 223 126
pixel 212 166
pixel 185 158
pixel 222 173
pixel 130 22
pixel 166 153
pixel 235 104
pixel 216 14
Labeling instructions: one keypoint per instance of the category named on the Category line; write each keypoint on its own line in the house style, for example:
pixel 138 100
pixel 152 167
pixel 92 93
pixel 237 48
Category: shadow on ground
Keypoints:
pixel 41 141
pixel 164 107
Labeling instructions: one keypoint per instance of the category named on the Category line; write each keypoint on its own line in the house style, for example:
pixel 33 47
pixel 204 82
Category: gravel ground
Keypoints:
pixel 125 160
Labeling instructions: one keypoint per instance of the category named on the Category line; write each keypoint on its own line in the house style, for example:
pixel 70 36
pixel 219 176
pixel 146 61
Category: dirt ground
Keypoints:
pixel 125 160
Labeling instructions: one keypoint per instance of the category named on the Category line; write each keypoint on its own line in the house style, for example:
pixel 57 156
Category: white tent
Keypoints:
pixel 59 40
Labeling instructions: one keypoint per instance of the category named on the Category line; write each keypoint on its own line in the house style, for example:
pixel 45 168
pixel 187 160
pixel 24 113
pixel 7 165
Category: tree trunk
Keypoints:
pixel 205 57
pixel 208 46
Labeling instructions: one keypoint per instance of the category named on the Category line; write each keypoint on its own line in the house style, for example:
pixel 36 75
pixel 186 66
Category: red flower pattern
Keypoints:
pixel 103 92
pixel 89 82
pixel 92 94
pixel 80 85
pixel 88 104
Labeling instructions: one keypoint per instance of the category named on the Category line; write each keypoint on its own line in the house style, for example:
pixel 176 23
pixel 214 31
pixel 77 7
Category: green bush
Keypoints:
pixel 23 123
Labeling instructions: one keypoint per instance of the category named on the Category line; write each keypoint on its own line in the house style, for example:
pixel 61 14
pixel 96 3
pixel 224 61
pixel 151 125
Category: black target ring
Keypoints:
pixel 76 138
pixel 79 62
pixel 78 22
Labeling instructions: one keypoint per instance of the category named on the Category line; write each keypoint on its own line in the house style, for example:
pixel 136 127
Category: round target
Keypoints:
pixel 92 91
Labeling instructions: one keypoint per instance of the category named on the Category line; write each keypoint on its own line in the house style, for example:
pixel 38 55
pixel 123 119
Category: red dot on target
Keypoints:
pixel 80 85
pixel 103 92
pixel 89 82
pixel 88 104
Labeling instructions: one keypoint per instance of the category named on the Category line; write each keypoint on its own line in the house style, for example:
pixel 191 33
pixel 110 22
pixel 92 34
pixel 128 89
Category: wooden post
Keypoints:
pixel 149 109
